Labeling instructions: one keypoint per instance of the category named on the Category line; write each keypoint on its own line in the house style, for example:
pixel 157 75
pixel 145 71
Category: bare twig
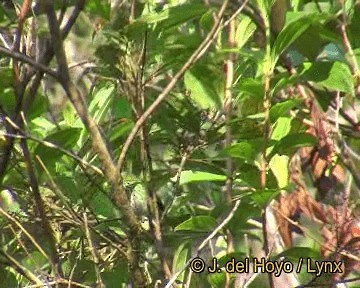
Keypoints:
pixel 16 47
pixel 347 45
pixel 93 252
pixel 48 232
pixel 266 136
pixel 154 213
pixel 229 78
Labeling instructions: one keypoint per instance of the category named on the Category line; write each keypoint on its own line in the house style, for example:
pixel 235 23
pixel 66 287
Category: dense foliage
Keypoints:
pixel 136 136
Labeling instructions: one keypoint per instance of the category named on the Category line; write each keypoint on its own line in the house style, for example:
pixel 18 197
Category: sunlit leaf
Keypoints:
pixel 331 75
pixel 201 81
pixel 199 176
pixel 280 167
pixel 280 109
pixel 281 129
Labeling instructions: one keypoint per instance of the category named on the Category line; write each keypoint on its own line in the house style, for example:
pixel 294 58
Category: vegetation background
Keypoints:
pixel 137 135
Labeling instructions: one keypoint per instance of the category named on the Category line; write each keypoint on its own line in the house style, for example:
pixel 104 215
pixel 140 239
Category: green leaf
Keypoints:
pixel 198 224
pixel 67 185
pixel 244 31
pixel 207 20
pixel 65 139
pixel 228 257
pixel 101 102
pixel 7 278
pixel 175 15
pixel 121 107
pixel 87 266
pixel 252 87
pixel 98 8
pixel 180 257
pixel 263 197
pixel 189 176
pixel 121 129
pixel 69 115
pixel 247 210
pixel 331 75
pixel 282 128
pixel 282 108
pixel 102 205
pixel 116 276
pixel 42 126
pixel 294 253
pixel 38 107
pixel 296 140
pixel 216 279
pixel 247 150
pixel 34 260
pixel 294 30
pixel 249 174
pixel 7 100
pixel 167 18
pixel 310 43
pixel 279 165
pixel 201 82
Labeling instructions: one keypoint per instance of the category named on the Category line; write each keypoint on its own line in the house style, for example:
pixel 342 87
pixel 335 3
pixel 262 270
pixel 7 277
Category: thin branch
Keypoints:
pixel 349 52
pixel 19 84
pixel 23 58
pixel 347 45
pixel 228 102
pixel 22 269
pixel 80 4
pixel 236 13
pixel 31 238
pixel 199 52
pixel 229 77
pixel 99 282
pixel 147 167
pixel 48 232
pixel 60 281
pixel 268 71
